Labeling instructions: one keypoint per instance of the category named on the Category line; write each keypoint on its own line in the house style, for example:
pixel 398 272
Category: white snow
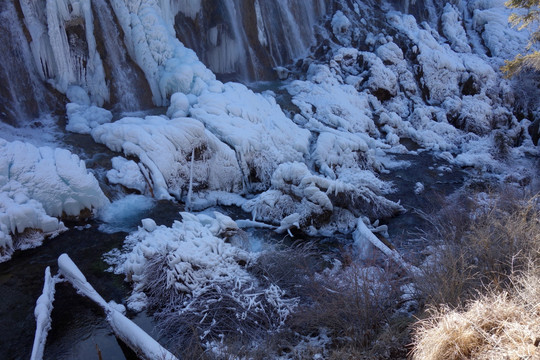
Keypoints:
pixel 254 126
pixel 453 30
pixel 127 173
pixel 36 186
pixel 83 118
pixel 42 313
pixel 341 26
pixel 164 148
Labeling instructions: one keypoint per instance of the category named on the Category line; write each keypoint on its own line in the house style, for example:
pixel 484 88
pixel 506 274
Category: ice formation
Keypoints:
pixel 255 127
pixel 39 185
pixel 444 91
pixel 168 65
pixel 42 313
pixel 64 45
pixel 164 149
pixel 83 118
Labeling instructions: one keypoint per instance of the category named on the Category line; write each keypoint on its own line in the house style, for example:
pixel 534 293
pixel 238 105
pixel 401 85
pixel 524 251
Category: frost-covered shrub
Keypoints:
pixel 198 284
pixel 350 304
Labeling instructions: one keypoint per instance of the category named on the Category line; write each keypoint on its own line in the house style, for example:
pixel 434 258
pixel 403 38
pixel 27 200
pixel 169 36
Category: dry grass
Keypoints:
pixel 352 304
pixel 496 326
pixel 495 251
pixel 479 242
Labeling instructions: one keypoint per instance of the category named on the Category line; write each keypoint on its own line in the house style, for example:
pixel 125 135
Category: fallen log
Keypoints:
pixel 42 313
pixel 126 330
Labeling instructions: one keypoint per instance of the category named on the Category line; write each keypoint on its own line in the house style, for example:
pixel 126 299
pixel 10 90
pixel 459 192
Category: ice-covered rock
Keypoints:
pixel 341 27
pixel 254 126
pixel 164 150
pixel 316 204
pixel 453 29
pixel 38 185
pixel 83 118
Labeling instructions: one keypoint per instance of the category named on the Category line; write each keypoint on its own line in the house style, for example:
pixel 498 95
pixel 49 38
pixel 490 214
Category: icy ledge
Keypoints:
pixel 37 186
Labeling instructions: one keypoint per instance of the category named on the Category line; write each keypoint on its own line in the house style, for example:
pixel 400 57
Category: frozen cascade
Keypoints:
pixel 246 39
pixel 22 95
pixel 128 86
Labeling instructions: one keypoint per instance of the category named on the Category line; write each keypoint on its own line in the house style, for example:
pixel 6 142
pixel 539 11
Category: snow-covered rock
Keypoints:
pixel 254 126
pixel 83 118
pixel 37 186
pixel 169 153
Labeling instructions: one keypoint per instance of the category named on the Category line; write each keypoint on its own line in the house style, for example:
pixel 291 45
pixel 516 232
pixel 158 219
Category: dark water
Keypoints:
pixel 439 179
pixel 79 329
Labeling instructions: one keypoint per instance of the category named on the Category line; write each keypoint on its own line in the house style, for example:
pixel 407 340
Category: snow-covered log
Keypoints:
pixel 363 236
pixel 139 341
pixel 315 203
pixel 42 312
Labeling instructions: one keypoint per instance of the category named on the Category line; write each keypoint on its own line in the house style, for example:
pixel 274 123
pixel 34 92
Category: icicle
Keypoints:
pixel 190 190
pixel 42 312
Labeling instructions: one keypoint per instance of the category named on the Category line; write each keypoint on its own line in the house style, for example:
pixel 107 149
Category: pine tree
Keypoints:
pixel 530 19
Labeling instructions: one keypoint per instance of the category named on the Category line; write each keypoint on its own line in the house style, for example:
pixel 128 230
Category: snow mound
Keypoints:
pixel 254 126
pixel 83 118
pixel 36 186
pixel 169 154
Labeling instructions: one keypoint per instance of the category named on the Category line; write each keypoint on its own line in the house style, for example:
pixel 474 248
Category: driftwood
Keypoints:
pixel 363 234
pixel 126 330
pixel 42 312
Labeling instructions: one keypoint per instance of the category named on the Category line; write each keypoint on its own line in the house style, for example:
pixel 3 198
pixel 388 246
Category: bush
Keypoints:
pixel 479 241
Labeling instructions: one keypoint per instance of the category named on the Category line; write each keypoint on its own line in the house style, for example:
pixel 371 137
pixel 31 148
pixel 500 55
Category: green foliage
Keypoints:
pixel 528 19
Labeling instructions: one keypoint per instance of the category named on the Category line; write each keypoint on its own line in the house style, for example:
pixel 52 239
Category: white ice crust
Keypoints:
pixel 164 150
pixel 38 185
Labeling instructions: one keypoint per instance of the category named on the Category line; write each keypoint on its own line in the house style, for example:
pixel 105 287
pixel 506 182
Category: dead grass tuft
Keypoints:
pixel 494 249
pixel 496 326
